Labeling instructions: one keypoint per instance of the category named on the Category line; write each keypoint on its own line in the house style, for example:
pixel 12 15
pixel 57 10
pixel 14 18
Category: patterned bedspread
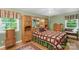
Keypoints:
pixel 55 38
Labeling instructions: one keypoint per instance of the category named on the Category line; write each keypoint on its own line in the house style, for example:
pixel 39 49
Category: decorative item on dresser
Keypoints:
pixel 26 28
pixel 10 38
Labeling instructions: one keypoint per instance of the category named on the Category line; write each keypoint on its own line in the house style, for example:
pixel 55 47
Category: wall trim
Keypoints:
pixel 16 43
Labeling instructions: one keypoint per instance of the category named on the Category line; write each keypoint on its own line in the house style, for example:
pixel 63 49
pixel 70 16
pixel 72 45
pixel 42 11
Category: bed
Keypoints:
pixel 50 39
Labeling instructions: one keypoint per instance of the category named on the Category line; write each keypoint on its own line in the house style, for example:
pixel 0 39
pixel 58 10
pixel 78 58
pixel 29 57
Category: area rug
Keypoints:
pixel 72 44
pixel 29 46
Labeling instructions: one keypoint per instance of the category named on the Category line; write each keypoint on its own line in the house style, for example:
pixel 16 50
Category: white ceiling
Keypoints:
pixel 48 11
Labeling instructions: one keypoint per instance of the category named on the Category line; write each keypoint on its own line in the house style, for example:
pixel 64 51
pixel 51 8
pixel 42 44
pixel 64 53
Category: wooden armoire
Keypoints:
pixel 10 38
pixel 26 28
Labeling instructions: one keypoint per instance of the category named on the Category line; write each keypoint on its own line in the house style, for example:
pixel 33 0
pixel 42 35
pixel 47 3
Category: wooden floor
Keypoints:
pixel 21 44
pixel 39 46
pixel 71 45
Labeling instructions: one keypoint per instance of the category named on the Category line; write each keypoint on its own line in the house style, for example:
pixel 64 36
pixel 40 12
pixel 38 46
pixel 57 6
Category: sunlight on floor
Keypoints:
pixel 73 44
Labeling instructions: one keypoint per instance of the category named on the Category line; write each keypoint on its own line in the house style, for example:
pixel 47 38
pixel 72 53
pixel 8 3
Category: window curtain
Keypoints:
pixel 9 14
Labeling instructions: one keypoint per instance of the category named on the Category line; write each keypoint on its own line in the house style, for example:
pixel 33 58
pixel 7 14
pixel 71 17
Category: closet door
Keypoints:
pixel 10 38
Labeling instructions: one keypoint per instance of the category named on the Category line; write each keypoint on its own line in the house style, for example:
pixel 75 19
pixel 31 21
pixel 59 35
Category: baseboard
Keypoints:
pixel 2 46
pixel 19 41
pixel 16 43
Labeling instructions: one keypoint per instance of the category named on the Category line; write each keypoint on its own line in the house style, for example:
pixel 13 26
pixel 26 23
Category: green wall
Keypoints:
pixel 2 38
pixel 17 35
pixel 56 19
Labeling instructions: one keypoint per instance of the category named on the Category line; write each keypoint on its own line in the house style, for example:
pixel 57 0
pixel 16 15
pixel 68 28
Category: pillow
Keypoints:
pixel 41 29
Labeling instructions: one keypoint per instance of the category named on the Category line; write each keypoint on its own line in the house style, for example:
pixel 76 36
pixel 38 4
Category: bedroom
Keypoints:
pixel 39 29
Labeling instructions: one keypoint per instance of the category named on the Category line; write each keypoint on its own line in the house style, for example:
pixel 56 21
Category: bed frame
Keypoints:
pixel 48 44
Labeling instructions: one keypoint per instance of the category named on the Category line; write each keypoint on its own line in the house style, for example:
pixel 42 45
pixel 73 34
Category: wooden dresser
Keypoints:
pixel 58 27
pixel 26 28
pixel 10 38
